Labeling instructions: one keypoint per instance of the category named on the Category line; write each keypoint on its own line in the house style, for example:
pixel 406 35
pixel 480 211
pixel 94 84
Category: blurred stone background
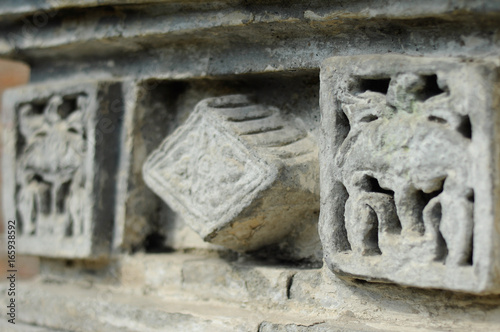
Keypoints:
pixel 13 74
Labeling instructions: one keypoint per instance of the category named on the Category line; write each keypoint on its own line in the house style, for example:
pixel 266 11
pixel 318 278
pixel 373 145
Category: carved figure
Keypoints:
pixel 48 170
pixel 405 167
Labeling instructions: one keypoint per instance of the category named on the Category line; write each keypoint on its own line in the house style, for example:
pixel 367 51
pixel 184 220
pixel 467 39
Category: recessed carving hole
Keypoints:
pixel 43 197
pixel 67 107
pixel 34 213
pixel 469 260
pixel 369 118
pixel 430 88
pixel 340 232
pixel 69 228
pixel 155 243
pixel 19 219
pixel 73 130
pixel 38 107
pixel 422 199
pixel 61 195
pixel 441 246
pixel 371 184
pixel 470 196
pixel 37 178
pixel 380 85
pixel 437 119
pixel 343 126
pixel 465 127
pixel 371 237
pixel 359 281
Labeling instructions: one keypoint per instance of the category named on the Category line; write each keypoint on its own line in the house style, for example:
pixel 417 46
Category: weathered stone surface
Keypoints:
pixel 167 292
pixel 60 167
pixel 315 327
pixel 241 174
pixel 408 170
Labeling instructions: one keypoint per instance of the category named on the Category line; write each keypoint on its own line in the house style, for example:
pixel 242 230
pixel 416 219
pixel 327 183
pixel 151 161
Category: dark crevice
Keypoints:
pixel 248 118
pixel 437 119
pixel 441 246
pixel 19 222
pixel 465 127
pixel 430 88
pixel 214 104
pixel 289 282
pixel 262 130
pixel 371 184
pixel 61 196
pixel 369 118
pixel 470 196
pixel 44 194
pixel 343 126
pixel 34 212
pixel 69 227
pixel 38 107
pixel 422 199
pixel 155 243
pixel 371 237
pixel 470 260
pixel 340 232
pixel 67 107
pixel 380 85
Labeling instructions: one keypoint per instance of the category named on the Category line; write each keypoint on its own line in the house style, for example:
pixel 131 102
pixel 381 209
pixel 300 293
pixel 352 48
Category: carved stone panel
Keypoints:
pixel 408 170
pixel 241 174
pixel 60 166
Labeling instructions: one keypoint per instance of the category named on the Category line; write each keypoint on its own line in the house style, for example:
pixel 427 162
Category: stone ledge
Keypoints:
pixel 214 294
pixel 130 29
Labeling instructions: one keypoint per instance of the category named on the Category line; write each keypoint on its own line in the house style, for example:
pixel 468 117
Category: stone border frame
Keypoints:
pixel 103 124
pixel 481 102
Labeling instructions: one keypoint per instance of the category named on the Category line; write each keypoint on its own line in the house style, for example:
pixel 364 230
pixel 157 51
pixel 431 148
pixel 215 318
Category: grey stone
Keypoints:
pixel 407 170
pixel 60 167
pixel 215 279
pixel 241 174
pixel 315 327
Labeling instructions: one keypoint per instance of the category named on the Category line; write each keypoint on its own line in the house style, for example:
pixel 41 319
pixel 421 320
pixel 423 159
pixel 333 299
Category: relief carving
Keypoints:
pixel 401 144
pixel 241 174
pixel 60 167
pixel 49 175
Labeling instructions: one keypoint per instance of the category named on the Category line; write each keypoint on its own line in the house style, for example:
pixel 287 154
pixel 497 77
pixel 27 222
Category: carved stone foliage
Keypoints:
pixel 240 173
pixel 59 167
pixel 407 171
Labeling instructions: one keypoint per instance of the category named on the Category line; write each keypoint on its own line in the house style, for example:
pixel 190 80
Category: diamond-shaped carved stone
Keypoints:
pixel 408 168
pixel 240 174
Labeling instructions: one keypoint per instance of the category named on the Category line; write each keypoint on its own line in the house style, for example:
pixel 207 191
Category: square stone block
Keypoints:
pixel 60 164
pixel 240 174
pixel 409 170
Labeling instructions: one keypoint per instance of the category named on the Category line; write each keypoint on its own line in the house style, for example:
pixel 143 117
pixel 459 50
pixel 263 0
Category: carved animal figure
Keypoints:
pixel 405 166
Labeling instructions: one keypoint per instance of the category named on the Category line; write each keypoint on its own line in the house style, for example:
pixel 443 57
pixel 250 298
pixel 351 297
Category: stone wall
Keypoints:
pixel 254 165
